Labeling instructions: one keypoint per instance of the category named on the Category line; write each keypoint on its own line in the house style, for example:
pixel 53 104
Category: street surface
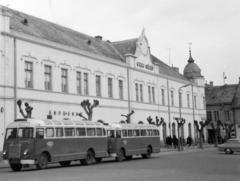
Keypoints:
pixel 207 165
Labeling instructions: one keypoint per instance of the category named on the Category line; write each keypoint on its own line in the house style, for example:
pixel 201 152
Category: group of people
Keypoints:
pixel 173 141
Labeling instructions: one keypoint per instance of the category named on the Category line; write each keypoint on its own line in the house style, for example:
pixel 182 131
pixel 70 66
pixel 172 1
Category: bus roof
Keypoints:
pixel 131 126
pixel 53 123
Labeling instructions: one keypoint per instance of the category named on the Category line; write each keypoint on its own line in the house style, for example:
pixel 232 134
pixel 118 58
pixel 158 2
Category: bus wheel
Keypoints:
pixel 98 160
pixel 43 161
pixel 129 157
pixel 89 158
pixel 120 155
pixel 65 163
pixel 148 154
pixel 16 167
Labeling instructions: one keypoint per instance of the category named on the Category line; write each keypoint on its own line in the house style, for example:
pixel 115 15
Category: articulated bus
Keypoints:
pixel 40 142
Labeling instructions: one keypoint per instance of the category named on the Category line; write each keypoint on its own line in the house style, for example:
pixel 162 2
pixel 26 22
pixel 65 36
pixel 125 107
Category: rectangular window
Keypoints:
pixel 216 115
pixel 130 133
pixel 64 80
pixel 85 80
pixel 136 132
pixel 204 103
pixel 99 132
pixel 163 96
pixel 172 97
pixel 143 132
pixel 79 82
pixel 153 95
pixel 227 115
pixel 28 74
pixel 40 133
pixel 141 92
pixel 110 87
pixel 120 87
pixel 80 131
pixel 59 132
pixel 124 133
pixel 25 133
pixel 49 132
pixel 91 132
pixel 149 95
pixel 209 115
pixel 195 102
pixel 69 132
pixel 188 100
pixel 136 90
pixel 98 86
pixel 48 77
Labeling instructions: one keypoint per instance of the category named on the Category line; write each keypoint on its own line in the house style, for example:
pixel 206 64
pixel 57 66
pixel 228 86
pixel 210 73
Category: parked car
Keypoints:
pixel 231 146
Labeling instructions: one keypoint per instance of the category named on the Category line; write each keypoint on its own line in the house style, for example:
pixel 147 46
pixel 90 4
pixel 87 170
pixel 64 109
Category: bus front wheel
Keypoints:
pixel 16 167
pixel 43 161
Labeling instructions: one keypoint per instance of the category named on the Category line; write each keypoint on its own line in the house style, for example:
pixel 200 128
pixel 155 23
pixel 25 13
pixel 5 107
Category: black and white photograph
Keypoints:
pixel 119 90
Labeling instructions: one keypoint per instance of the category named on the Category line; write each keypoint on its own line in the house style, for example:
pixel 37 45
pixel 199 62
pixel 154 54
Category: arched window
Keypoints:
pixel 164 131
pixel 189 129
pixel 173 129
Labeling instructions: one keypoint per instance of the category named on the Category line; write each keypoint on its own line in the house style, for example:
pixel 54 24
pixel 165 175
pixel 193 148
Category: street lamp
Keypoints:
pixel 180 120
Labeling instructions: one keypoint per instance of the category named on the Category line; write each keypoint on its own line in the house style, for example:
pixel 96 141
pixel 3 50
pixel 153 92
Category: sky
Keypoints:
pixel 212 26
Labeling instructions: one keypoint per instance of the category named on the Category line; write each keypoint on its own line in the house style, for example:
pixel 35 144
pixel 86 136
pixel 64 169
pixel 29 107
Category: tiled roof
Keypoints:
pixel 218 95
pixel 59 34
pixel 50 31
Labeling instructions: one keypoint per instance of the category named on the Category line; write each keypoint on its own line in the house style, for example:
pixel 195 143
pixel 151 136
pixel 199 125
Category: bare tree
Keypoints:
pixel 200 126
pixel 28 109
pixel 149 119
pixel 128 116
pixel 216 127
pixel 180 123
pixel 159 122
pixel 88 108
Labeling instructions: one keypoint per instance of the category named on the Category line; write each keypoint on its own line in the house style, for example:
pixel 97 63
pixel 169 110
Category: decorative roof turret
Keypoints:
pixel 191 70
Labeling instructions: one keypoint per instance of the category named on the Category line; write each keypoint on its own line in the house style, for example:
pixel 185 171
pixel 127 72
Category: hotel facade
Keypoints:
pixel 54 68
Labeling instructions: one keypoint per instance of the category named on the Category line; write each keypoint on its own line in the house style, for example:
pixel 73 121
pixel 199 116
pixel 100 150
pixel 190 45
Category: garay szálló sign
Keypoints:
pixel 142 65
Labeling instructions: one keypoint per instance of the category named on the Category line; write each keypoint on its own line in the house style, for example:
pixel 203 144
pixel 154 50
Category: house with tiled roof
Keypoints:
pixel 223 104
pixel 54 68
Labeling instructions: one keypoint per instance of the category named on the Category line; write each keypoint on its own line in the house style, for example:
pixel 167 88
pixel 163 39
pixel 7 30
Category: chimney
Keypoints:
pixel 176 69
pixel 98 37
pixel 211 83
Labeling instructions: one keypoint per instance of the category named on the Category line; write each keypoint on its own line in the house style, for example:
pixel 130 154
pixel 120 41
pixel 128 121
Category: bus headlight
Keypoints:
pixel 4 152
pixel 25 152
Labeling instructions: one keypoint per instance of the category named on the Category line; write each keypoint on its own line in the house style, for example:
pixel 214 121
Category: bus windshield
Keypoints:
pixel 19 133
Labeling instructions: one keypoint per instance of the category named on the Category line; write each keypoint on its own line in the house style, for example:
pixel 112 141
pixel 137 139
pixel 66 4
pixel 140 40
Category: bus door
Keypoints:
pixel 113 139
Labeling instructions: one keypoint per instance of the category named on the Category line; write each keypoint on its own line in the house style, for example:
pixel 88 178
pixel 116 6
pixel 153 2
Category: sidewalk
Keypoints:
pixel 163 150
pixel 187 148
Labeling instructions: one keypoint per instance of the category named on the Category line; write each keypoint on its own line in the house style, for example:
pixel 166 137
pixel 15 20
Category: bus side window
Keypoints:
pixel 143 132
pixel 99 132
pixel 104 132
pixel 80 131
pixel 124 133
pixel 69 132
pixel 91 132
pixel 49 132
pixel 111 133
pixel 40 133
pixel 118 134
pixel 59 132
pixel 130 133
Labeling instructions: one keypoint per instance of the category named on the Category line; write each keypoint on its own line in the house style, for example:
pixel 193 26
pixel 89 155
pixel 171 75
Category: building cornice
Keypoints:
pixel 68 49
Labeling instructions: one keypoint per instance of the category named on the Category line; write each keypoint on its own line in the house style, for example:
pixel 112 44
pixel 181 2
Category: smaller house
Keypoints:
pixel 223 109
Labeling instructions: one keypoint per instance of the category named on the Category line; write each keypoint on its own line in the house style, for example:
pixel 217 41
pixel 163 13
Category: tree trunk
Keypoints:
pixel 200 139
pixel 179 149
pixel 216 138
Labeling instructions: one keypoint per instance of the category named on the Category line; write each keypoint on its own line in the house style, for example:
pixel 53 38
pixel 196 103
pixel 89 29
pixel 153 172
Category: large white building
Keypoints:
pixel 54 68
